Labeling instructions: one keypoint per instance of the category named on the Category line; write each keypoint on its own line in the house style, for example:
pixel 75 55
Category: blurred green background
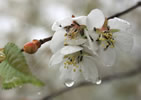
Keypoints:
pixel 24 20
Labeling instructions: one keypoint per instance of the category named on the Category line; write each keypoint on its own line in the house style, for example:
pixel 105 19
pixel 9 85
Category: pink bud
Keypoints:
pixel 32 47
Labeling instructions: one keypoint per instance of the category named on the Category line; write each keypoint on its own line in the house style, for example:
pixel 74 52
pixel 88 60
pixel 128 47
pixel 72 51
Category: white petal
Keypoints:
pixel 87 51
pixel 59 24
pixel 56 26
pixel 108 57
pixel 69 74
pixel 56 59
pixel 117 23
pixel 70 49
pixel 92 47
pixel 93 34
pixel 89 69
pixel 57 41
pixel 80 20
pixel 95 19
pixel 124 41
pixel 78 41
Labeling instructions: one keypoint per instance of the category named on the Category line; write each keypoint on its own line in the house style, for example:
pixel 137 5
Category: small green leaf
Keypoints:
pixel 14 70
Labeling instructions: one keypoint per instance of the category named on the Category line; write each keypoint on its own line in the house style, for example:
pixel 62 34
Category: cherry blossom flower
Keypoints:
pixel 75 30
pixel 113 37
pixel 75 63
pixel 80 43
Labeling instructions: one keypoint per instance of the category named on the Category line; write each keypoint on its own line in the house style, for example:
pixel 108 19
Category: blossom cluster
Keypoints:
pixel 79 44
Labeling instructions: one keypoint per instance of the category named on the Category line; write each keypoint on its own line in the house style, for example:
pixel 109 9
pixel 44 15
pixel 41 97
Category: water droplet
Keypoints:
pixel 69 83
pixel 98 82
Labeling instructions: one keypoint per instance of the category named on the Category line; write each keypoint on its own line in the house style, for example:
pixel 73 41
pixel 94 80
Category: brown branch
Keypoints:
pixel 42 41
pixel 104 79
pixel 126 11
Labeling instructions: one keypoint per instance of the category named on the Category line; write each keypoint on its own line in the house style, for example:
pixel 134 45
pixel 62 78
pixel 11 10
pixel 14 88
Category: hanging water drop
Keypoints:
pixel 69 83
pixel 98 82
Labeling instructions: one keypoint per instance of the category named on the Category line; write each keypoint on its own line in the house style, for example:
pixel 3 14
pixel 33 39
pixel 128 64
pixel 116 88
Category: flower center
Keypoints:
pixel 74 31
pixel 73 60
pixel 106 38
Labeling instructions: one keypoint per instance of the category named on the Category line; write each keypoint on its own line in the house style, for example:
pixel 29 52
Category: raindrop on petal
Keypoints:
pixel 69 83
pixel 98 82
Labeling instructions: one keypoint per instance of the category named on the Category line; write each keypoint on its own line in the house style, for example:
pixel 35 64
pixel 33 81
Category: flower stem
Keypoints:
pixel 126 11
pixel 42 41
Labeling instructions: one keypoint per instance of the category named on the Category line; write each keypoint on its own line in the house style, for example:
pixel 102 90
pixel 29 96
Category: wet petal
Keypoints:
pixel 92 45
pixel 117 23
pixel 93 34
pixel 108 57
pixel 59 24
pixel 69 74
pixel 80 20
pixel 89 69
pixel 56 59
pixel 95 19
pixel 78 41
pixel 57 41
pixel 70 49
pixel 124 41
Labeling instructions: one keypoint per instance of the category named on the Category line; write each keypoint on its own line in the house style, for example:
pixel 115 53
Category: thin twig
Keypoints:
pixel 104 79
pixel 126 11
pixel 42 41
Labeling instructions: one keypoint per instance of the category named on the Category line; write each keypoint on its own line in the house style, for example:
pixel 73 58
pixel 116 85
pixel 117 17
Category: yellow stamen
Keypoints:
pixel 106 35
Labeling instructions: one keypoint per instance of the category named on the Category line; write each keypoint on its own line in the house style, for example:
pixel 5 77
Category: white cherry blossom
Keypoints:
pixel 80 43
pixel 75 64
pixel 75 30
pixel 113 37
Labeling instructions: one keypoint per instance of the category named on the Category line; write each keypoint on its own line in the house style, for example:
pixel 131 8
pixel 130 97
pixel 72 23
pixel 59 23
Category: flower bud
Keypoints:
pixel 32 47
pixel 2 55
